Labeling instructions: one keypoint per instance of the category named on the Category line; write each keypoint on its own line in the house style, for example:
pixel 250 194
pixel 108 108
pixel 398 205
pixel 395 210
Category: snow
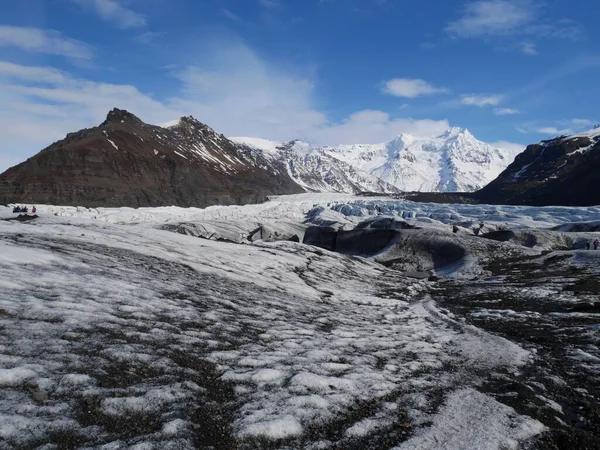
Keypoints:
pixel 15 376
pixel 344 208
pixel 109 313
pixel 472 420
pixel 111 142
pixel 270 147
pixel 592 134
pixel 453 161
pixel 284 427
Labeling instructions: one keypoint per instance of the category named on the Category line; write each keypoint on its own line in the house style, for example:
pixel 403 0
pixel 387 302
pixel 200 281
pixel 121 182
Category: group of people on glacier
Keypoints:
pixel 589 243
pixel 24 209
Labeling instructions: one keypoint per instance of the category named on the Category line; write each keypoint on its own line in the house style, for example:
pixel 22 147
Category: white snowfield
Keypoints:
pixel 454 161
pixel 115 333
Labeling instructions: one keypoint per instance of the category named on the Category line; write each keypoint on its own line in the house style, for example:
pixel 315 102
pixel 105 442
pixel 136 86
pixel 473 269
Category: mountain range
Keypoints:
pixel 454 161
pixel 126 162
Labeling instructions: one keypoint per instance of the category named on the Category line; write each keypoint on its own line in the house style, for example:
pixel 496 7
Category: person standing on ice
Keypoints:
pixel 33 210
pixel 596 242
pixel 587 244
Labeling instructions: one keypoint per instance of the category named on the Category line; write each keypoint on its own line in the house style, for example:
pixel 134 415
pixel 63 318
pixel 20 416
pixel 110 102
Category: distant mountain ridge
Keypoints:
pixel 454 161
pixel 126 162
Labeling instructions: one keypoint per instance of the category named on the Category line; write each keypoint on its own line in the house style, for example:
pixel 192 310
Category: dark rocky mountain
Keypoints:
pixel 561 171
pixel 126 162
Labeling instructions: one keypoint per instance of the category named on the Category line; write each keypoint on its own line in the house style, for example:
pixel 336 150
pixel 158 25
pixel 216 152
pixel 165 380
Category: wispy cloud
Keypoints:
pixel 44 75
pixel 492 17
pixel 506 111
pixel 43 41
pixel 509 146
pixel 39 105
pixel 149 36
pixel 229 14
pixel 508 19
pixel 528 48
pixel 410 88
pixel 481 100
pixel 582 122
pixel 553 131
pixel 558 127
pixel 233 90
pixel 114 12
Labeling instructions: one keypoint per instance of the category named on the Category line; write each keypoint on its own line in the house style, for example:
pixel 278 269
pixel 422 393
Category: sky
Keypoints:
pixel 326 71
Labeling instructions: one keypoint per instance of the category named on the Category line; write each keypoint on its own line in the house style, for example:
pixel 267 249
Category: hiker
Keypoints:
pixel 596 242
pixel 588 244
pixel 33 210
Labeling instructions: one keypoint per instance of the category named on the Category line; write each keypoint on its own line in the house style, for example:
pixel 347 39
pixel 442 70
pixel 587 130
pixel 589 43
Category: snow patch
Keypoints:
pixel 472 420
pixel 282 428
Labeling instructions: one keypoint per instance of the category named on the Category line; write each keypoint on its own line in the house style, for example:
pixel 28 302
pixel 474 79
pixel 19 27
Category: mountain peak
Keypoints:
pixel 402 139
pixel 453 132
pixel 117 115
pixel 191 120
pixel 190 123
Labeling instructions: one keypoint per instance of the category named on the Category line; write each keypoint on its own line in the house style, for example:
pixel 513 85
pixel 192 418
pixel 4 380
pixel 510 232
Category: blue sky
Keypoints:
pixel 327 71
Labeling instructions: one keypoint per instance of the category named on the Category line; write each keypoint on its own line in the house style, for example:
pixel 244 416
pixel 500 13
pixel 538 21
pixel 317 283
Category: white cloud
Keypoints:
pixel 481 100
pixel 112 11
pixel 492 17
pixel 149 36
pixel 500 19
pixel 26 73
pixel 509 145
pixel 581 122
pixel 410 88
pixel 553 131
pixel 372 126
pixel 528 48
pixel 239 95
pixel 506 111
pixel 43 41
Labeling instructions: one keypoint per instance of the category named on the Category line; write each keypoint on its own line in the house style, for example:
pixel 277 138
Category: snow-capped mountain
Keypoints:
pixel 559 171
pixel 454 161
pixel 316 170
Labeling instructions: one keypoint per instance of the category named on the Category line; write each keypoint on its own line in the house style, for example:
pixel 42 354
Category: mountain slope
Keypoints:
pixel 314 170
pixel 126 162
pixel 560 171
pixel 453 162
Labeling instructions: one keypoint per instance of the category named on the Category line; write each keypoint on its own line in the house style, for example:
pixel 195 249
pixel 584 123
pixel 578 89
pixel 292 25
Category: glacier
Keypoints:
pixel 117 332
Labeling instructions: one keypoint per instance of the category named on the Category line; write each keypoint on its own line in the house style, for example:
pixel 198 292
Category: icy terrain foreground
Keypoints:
pixel 116 332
